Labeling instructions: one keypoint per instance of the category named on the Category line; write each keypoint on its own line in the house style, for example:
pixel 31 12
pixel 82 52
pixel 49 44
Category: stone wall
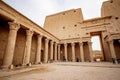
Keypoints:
pixel 19 47
pixel 63 25
pixel 72 33
pixel 111 8
pixel 4 30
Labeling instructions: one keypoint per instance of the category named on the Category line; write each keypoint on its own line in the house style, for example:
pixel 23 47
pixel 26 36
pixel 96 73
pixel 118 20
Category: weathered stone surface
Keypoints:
pixel 19 45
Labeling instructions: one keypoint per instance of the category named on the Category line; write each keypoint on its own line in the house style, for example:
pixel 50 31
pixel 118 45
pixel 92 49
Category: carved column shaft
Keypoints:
pixel 55 51
pixel 59 52
pixel 46 51
pixel 81 52
pixel 29 34
pixel 51 50
pixel 90 51
pixel 9 52
pixel 73 51
pixel 38 54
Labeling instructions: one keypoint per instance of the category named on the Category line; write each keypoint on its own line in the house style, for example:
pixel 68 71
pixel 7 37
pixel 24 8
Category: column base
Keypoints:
pixel 55 60
pixel 7 67
pixel 116 62
pixel 92 61
pixel 74 61
pixel 28 64
pixel 45 61
pixel 38 63
pixel 82 61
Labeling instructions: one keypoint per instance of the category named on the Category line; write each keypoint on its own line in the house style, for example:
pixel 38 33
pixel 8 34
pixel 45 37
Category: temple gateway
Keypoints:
pixel 66 36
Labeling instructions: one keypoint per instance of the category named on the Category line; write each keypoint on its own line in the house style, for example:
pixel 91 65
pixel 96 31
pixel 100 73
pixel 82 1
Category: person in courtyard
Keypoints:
pixel 113 60
pixel 64 59
pixel 77 59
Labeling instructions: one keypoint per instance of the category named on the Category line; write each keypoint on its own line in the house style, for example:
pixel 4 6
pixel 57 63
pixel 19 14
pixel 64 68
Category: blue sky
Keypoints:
pixel 37 10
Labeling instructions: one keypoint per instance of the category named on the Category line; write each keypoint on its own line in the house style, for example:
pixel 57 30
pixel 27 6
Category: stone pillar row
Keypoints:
pixel 82 57
pixel 73 51
pixel 9 52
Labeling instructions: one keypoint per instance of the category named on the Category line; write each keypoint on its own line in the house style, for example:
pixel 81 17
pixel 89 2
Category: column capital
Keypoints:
pixel 81 43
pixel 55 44
pixel 29 32
pixel 72 44
pixel 46 40
pixel 65 44
pixel 58 45
pixel 39 36
pixel 51 42
pixel 111 41
pixel 14 26
pixel 89 43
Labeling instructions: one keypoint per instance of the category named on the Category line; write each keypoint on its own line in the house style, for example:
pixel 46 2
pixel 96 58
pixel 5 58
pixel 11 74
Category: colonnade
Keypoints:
pixel 9 52
pixel 81 53
pixel 10 48
pixel 54 51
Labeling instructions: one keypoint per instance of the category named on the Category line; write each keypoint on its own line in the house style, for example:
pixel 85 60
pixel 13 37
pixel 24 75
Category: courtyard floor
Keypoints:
pixel 65 71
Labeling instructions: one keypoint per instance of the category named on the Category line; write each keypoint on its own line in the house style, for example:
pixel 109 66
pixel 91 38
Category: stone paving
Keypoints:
pixel 65 71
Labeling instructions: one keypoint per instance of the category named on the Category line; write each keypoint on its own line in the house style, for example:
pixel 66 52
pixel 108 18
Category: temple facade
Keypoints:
pixel 66 36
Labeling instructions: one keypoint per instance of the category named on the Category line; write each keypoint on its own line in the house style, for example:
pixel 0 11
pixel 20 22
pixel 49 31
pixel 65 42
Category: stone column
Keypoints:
pixel 38 54
pixel 58 52
pixel 46 51
pixel 65 51
pixel 112 50
pixel 73 51
pixel 51 50
pixel 55 51
pixel 9 52
pixel 81 52
pixel 26 60
pixel 90 51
